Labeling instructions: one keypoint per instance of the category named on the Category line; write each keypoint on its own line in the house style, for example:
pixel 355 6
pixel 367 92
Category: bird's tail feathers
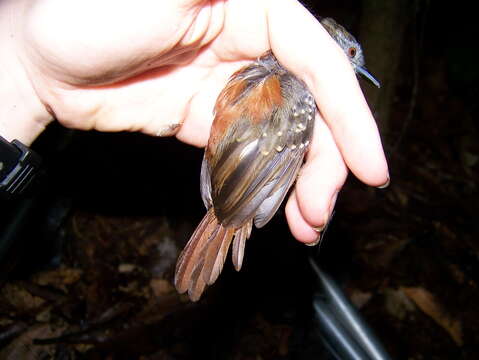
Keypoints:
pixel 203 257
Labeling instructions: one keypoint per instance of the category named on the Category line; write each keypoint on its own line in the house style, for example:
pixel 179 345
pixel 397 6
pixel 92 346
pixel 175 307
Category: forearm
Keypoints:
pixel 22 114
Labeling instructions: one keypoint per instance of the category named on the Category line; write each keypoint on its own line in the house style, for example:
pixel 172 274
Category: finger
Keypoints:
pixel 196 127
pixel 160 103
pixel 321 178
pixel 308 51
pixel 143 103
pixel 300 229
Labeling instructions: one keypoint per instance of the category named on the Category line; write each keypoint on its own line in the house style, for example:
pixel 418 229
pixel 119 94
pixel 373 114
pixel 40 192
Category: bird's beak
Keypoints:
pixel 367 75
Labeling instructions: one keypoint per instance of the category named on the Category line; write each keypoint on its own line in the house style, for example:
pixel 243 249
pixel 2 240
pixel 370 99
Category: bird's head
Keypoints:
pixel 350 46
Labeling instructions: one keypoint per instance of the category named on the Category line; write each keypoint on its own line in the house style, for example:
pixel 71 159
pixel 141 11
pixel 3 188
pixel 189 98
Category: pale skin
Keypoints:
pixel 158 66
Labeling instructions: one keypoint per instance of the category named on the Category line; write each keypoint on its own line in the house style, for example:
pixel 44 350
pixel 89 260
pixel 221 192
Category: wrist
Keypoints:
pixel 22 115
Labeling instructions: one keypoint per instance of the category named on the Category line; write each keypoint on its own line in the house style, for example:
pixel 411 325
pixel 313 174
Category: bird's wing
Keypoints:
pixel 259 160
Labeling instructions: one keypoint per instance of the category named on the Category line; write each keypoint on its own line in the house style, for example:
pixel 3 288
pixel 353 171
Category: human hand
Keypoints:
pixel 157 67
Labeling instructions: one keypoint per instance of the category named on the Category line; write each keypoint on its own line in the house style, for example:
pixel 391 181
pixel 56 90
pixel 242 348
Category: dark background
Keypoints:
pixel 90 273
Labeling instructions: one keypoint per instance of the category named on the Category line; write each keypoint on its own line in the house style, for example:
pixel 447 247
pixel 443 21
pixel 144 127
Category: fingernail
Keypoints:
pixel 315 242
pixel 385 185
pixel 319 229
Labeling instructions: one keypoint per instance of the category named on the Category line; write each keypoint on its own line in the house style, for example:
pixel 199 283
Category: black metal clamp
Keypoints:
pixel 18 167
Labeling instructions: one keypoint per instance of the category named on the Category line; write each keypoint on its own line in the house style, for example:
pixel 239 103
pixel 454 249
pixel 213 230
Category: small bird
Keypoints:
pixel 262 128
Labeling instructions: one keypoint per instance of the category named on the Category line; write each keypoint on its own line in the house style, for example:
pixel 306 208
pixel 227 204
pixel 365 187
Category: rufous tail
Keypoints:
pixel 203 257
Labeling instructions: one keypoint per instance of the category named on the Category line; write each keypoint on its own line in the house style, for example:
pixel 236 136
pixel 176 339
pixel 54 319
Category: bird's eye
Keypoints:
pixel 352 52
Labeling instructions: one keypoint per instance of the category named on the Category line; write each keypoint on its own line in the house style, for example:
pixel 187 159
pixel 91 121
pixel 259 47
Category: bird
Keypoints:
pixel 262 127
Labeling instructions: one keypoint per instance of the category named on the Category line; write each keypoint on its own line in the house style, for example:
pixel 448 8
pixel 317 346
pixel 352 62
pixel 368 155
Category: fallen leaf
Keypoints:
pixel 59 278
pixel 360 298
pixel 161 287
pixel 428 303
pixel 19 298
pixel 22 347
pixel 126 268
pixel 397 303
